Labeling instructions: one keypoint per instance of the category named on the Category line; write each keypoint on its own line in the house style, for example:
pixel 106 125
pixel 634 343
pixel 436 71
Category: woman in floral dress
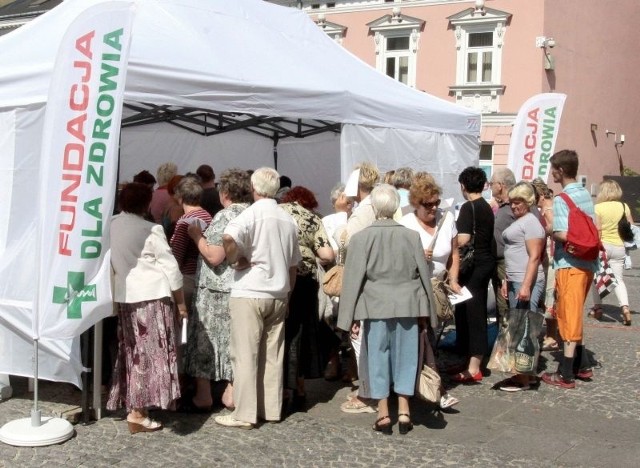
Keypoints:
pixel 207 352
pixel 146 276
pixel 308 339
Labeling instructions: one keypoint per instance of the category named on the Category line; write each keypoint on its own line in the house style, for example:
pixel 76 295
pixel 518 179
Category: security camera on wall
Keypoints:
pixel 583 180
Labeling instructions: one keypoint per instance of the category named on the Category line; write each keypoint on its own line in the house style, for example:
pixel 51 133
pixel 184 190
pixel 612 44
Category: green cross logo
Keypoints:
pixel 74 294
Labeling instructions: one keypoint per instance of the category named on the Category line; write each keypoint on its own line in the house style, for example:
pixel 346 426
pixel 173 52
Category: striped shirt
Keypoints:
pixel 182 246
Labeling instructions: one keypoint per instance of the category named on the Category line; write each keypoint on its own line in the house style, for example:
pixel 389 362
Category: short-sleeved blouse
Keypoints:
pixel 484 243
pixel 515 239
pixel 311 236
pixel 220 277
pixel 442 247
pixel 609 214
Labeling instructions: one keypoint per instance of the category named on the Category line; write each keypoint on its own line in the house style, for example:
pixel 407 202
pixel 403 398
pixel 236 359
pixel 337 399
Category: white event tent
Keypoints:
pixel 240 83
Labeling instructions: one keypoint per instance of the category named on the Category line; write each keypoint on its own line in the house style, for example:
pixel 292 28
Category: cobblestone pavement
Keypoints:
pixel 597 424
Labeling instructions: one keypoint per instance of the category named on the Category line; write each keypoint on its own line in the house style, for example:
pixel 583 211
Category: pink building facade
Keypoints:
pixel 493 55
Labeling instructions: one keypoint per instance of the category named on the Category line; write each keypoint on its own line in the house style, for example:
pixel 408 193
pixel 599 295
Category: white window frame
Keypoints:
pixel 393 26
pixel 462 33
pixel 479 52
pixel 481 95
pixel 487 166
pixel 385 54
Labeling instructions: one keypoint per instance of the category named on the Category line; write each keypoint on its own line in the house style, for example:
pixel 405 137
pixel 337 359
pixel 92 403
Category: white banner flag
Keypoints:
pixel 78 171
pixel 534 136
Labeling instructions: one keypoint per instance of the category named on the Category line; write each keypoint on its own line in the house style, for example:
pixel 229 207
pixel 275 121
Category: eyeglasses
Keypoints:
pixel 492 183
pixel 431 205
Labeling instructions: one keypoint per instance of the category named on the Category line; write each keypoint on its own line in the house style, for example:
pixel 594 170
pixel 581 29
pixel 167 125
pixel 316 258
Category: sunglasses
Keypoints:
pixel 431 205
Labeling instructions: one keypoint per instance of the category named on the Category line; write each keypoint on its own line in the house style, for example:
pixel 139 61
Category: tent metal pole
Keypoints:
pixel 275 151
pixel 36 414
pixel 84 340
pixel 97 370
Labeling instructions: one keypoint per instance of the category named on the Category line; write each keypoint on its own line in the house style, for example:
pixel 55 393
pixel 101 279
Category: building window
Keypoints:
pixel 479 57
pixel 397 58
pixel 479 41
pixel 396 42
pixel 486 154
pixel 486 164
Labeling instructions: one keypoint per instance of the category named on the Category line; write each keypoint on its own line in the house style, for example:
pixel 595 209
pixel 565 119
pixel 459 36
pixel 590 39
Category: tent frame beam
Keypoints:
pixel 210 123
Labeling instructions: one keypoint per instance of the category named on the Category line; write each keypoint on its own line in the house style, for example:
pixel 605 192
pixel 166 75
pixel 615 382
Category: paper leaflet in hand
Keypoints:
pixel 351 187
pixel 464 295
pixel 183 334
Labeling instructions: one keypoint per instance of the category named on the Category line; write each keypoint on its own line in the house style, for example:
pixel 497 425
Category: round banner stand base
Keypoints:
pixel 22 433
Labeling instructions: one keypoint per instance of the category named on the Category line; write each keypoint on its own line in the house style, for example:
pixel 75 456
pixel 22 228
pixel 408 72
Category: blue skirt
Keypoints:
pixel 392 349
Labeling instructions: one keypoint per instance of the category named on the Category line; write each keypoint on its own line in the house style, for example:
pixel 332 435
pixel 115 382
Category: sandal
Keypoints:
pixel 356 405
pixel 404 426
pixel 550 344
pixel 447 401
pixel 145 425
pixel 384 428
pixel 626 316
pixel 596 312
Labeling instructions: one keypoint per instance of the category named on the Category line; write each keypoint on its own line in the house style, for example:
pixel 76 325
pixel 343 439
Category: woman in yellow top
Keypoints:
pixel 609 211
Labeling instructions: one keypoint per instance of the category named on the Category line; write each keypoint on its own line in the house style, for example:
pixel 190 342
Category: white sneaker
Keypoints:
pixel 627 262
pixel 229 421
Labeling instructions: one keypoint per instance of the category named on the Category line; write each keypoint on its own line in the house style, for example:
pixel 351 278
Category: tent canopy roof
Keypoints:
pixel 234 58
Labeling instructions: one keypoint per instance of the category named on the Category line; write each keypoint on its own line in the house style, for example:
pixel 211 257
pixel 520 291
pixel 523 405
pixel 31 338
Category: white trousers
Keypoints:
pixel 616 261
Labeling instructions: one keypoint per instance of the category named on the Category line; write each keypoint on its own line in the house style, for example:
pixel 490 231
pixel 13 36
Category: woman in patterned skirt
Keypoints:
pixel 207 355
pixel 146 278
pixel 308 339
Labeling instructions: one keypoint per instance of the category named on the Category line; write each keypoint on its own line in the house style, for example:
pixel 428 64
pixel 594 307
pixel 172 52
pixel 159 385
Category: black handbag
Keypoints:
pixel 624 227
pixel 467 251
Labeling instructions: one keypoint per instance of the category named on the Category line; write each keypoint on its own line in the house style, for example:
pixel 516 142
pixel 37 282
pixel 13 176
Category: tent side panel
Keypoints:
pixel 314 163
pixel 148 146
pixel 442 155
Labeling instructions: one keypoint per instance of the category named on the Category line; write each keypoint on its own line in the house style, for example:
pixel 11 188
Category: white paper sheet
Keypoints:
pixel 464 295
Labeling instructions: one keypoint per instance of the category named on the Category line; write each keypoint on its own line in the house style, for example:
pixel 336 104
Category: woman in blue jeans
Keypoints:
pixel 523 253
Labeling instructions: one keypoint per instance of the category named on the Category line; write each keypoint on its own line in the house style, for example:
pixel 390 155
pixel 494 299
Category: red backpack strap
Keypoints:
pixel 567 199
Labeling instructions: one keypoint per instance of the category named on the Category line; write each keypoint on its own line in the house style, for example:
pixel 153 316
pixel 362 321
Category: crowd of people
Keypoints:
pixel 238 264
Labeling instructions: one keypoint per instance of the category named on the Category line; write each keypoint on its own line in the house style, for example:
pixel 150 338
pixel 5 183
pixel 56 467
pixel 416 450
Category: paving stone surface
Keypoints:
pixel 597 424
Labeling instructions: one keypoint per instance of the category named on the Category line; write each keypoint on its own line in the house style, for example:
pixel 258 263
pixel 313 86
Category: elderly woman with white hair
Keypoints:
pixel 387 286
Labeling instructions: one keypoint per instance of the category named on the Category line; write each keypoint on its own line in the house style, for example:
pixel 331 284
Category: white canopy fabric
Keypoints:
pixel 244 56
pixel 241 57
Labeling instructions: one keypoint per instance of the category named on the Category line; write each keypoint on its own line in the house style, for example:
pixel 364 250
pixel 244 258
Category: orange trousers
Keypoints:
pixel 572 287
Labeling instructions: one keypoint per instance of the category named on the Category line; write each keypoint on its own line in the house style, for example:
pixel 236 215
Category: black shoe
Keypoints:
pixel 384 428
pixel 404 426
pixel 300 403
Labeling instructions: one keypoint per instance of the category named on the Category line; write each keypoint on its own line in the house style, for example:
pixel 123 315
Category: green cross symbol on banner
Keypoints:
pixel 74 294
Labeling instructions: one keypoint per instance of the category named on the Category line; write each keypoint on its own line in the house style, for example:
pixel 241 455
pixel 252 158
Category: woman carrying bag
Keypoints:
pixel 438 236
pixel 610 213
pixel 524 241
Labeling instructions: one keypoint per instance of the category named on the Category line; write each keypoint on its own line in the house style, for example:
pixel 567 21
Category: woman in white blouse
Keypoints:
pixel 438 234
pixel 430 222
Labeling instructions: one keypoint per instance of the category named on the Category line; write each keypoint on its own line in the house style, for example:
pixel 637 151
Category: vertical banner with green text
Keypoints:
pixel 534 135
pixel 78 171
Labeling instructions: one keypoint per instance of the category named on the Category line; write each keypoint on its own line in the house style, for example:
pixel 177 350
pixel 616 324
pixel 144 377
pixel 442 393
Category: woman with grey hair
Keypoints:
pixel 342 206
pixel 161 196
pixel 402 179
pixel 387 286
pixel 207 354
